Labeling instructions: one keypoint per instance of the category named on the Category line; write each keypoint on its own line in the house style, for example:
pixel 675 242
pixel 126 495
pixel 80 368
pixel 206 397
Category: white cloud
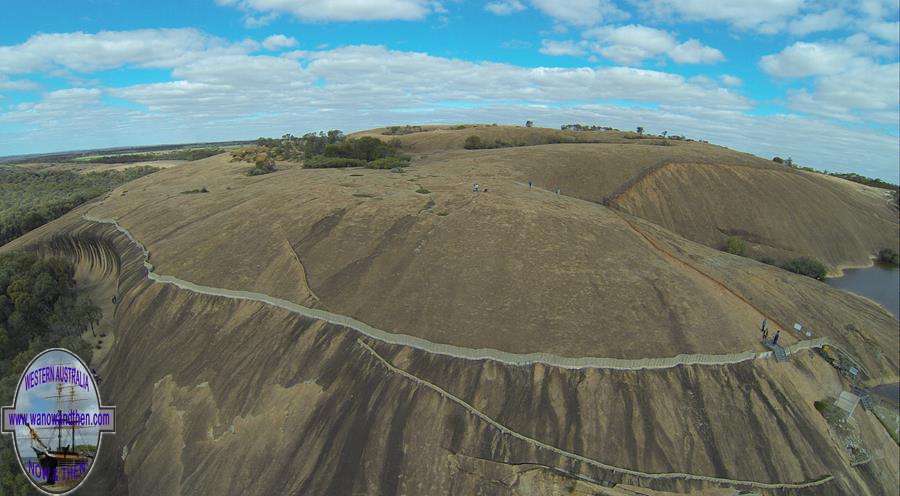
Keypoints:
pixel 336 10
pixel 85 52
pixel 580 12
pixel 866 92
pixel 878 9
pixel 224 90
pixel 634 43
pixel 557 48
pixel 729 80
pixel 504 7
pixel 804 59
pixel 887 31
pixel 761 15
pixel 16 84
pixel 849 83
pixel 694 52
pixel 816 22
pixel 278 42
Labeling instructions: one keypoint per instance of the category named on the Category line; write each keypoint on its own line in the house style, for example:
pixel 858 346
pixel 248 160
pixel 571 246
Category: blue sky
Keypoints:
pixel 815 80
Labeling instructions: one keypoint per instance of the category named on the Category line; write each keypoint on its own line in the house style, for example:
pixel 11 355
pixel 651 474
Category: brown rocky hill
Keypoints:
pixel 364 331
pixel 701 191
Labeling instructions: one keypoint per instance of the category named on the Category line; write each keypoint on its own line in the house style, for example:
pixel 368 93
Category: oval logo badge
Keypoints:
pixel 57 421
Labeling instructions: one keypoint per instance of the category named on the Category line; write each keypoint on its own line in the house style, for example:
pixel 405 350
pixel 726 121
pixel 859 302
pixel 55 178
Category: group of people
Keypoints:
pixel 476 188
pixel 765 332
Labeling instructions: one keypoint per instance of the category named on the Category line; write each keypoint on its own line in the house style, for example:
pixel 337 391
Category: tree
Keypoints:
pixel 529 124
pixel 789 162
pixel 778 160
pixel 664 133
pixel 640 130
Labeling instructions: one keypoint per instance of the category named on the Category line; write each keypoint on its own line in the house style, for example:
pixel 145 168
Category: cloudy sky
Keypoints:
pixel 815 80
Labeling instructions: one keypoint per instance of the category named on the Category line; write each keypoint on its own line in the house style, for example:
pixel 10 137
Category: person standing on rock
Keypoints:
pixel 765 330
pixel 529 184
pixel 775 339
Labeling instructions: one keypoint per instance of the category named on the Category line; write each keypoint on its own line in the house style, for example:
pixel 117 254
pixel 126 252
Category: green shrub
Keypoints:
pixel 195 191
pixel 473 143
pixel 323 162
pixel 389 162
pixel 735 245
pixel 888 256
pixel 423 191
pixel 806 266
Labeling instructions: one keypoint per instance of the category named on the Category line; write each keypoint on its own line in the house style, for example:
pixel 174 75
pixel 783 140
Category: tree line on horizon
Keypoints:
pixel 331 149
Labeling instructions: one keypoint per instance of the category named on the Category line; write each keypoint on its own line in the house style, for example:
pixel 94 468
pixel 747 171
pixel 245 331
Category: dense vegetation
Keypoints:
pixel 806 266
pixel 185 154
pixel 583 127
pixel 889 256
pixel 323 150
pixel 323 162
pixel 365 148
pixel 40 308
pixel 868 181
pixel 30 199
pixel 292 148
pixel 398 130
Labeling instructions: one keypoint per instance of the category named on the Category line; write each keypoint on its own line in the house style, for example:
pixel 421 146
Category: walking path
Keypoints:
pixel 568 454
pixel 459 351
pixel 696 269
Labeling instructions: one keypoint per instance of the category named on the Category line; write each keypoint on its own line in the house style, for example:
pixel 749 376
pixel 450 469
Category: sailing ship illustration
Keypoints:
pixel 64 465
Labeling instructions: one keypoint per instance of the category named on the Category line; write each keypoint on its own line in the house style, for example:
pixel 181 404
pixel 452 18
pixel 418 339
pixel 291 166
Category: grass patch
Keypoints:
pixel 363 195
pixel 423 191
